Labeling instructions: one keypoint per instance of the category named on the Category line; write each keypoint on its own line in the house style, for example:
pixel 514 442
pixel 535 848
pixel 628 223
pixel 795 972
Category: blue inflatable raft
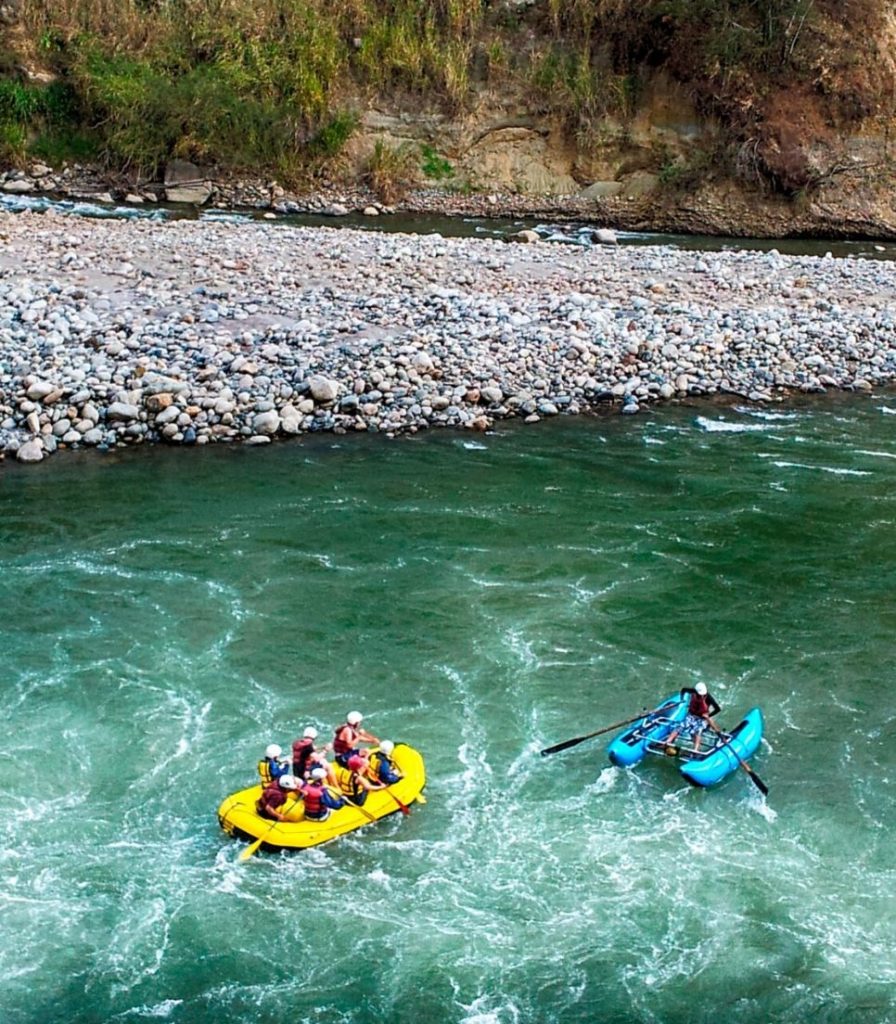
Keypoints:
pixel 717 757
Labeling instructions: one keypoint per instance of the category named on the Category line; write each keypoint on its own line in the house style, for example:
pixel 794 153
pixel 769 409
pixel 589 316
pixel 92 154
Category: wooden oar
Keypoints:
pixel 757 782
pixel 608 728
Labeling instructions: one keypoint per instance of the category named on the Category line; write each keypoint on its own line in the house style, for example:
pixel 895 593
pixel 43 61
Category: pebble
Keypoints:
pixel 197 332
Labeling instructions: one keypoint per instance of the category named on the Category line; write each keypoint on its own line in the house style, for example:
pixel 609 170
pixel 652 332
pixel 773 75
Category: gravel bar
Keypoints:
pixel 124 332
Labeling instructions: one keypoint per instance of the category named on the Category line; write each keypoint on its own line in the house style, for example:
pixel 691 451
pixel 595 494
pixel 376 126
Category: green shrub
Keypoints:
pixel 19 104
pixel 34 112
pixel 331 138
pixel 261 83
pixel 435 167
pixel 57 146
pixel 13 141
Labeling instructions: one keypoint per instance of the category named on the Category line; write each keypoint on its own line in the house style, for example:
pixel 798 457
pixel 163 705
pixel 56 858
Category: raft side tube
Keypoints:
pixel 722 760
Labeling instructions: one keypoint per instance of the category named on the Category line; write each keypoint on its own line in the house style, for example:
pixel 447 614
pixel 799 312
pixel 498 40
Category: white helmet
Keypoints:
pixel 701 689
pixel 273 750
pixel 310 733
pixel 288 782
pixel 387 746
pixel 318 773
pixel 354 717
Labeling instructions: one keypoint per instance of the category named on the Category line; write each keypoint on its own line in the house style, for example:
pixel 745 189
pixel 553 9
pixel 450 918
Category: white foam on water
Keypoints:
pixel 762 414
pixel 138 945
pixel 607 780
pixel 478 1012
pixel 475 446
pixel 521 648
pixel 758 804
pixel 158 1011
pixel 835 470
pixel 224 217
pixel 887 409
pixel 876 454
pixel 487 583
pixel 727 427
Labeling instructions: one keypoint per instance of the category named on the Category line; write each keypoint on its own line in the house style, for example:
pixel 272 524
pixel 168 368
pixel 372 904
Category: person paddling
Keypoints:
pixel 348 736
pixel 356 782
pixel 701 707
pixel 302 749
pixel 381 767
pixel 275 803
pixel 319 801
pixel 272 765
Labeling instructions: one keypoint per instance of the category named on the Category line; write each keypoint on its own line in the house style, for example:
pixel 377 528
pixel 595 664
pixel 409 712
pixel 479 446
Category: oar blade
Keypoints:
pixel 760 785
pixel 250 851
pixel 565 745
pixel 405 810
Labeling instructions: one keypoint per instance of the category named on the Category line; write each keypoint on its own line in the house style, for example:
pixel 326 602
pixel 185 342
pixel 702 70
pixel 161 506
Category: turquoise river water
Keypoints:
pixel 166 614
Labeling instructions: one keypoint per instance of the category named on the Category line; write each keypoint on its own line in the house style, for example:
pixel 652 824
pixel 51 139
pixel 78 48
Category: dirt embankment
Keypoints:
pixel 748 123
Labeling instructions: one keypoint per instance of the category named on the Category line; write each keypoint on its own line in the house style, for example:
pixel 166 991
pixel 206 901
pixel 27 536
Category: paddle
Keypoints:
pixel 757 782
pixel 609 728
pixel 352 803
pixel 256 846
pixel 405 810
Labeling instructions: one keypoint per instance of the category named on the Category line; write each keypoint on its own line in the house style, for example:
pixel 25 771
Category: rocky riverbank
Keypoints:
pixel 127 332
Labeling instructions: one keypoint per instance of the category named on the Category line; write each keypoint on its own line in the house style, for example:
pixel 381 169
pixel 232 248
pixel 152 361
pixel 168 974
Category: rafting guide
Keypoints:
pixel 701 707
pixel 302 800
pixel 687 713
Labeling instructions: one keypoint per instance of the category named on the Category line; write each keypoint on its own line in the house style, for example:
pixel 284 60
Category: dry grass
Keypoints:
pixel 262 82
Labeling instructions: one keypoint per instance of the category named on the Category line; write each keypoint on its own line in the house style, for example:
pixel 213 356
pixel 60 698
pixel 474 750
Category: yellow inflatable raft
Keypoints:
pixel 238 817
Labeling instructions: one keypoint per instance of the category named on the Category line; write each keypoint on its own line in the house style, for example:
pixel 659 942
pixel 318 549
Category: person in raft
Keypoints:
pixel 701 707
pixel 319 801
pixel 319 760
pixel 357 783
pixel 302 749
pixel 348 736
pixel 279 800
pixel 381 767
pixel 272 765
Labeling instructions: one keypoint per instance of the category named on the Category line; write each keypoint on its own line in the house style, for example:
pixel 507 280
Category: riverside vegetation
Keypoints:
pixel 124 333
pixel 281 86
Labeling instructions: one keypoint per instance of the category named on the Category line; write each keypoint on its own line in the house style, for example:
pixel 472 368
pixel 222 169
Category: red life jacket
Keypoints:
pixel 699 705
pixel 301 751
pixel 272 799
pixel 313 796
pixel 342 746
